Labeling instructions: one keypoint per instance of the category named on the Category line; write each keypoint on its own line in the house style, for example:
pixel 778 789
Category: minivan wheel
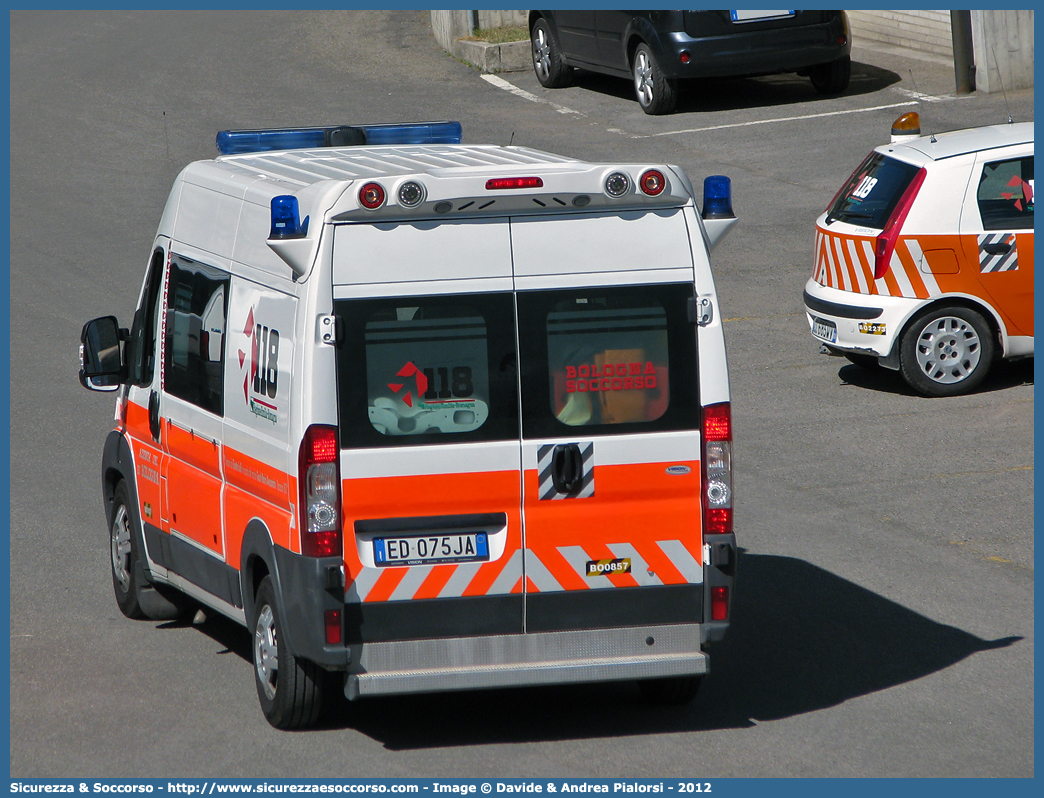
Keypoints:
pixel 946 351
pixel 832 77
pixel 547 58
pixel 656 94
pixel 290 689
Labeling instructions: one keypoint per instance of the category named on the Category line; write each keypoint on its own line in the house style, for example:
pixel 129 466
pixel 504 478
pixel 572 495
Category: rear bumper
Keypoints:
pixel 864 324
pixel 423 666
pixel 757 52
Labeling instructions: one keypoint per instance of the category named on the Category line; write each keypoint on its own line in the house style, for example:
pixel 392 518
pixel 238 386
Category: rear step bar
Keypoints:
pixel 592 655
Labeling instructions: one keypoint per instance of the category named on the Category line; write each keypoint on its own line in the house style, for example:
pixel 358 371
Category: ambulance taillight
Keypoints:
pixel 717 469
pixel 320 492
pixel 885 244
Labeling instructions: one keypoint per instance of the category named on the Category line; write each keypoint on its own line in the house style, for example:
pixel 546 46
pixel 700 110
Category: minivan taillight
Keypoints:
pixel 717 469
pixel 319 483
pixel 885 244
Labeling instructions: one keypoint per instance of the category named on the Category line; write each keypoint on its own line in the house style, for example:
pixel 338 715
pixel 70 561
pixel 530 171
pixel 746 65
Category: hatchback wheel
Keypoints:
pixel 550 70
pixel 656 94
pixel 946 351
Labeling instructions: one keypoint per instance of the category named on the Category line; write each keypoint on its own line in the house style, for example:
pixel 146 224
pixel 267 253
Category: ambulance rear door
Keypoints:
pixel 610 420
pixel 429 430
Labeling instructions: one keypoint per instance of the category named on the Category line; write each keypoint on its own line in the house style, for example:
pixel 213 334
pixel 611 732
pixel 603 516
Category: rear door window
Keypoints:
pixel 870 195
pixel 1005 195
pixel 608 360
pixel 423 370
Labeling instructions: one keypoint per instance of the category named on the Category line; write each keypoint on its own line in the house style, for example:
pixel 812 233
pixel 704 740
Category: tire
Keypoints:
pixel 656 94
pixel 136 597
pixel 946 351
pixel 290 689
pixel 551 71
pixel 832 77
pixel 868 362
pixel 672 691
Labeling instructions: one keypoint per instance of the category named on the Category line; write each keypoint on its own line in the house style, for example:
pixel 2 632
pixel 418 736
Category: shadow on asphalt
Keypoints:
pixel 730 94
pixel 802 639
pixel 1003 375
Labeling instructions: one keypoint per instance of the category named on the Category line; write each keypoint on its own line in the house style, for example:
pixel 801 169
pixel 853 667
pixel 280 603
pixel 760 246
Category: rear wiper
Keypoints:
pixel 848 215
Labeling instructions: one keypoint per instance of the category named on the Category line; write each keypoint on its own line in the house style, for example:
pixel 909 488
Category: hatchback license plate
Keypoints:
pixel 826 330
pixel 431 549
pixel 757 16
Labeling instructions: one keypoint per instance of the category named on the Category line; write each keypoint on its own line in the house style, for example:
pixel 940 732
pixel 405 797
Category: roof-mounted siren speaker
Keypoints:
pixel 718 218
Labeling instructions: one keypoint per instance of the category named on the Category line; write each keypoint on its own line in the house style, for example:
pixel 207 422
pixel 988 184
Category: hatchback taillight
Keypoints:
pixel 717 469
pixel 885 244
pixel 320 492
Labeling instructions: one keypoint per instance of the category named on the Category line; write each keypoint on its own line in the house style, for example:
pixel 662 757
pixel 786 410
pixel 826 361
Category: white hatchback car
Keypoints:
pixel 924 258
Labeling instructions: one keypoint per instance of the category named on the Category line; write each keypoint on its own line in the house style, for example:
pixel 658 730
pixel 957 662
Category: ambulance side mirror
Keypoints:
pixel 101 354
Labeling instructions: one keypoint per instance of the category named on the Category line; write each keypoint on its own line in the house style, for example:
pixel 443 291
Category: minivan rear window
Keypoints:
pixel 872 192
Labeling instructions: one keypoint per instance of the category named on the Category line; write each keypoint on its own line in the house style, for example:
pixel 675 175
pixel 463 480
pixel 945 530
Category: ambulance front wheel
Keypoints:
pixel 946 351
pixel 670 692
pixel 289 689
pixel 136 597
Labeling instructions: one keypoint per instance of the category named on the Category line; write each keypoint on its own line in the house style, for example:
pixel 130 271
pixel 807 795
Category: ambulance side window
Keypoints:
pixel 194 346
pixel 141 349
pixel 419 370
pixel 607 360
pixel 1005 195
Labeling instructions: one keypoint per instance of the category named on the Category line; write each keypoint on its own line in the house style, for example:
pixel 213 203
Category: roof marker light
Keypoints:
pixel 286 218
pixel 498 183
pixel 617 184
pixel 717 197
pixel 371 196
pixel 652 182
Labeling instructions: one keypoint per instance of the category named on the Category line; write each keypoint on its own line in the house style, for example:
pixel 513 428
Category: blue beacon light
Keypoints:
pixel 717 198
pixel 286 218
pixel 238 142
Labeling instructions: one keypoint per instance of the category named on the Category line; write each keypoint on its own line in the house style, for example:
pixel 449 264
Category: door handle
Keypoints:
pixel 154 417
pixel 567 467
pixel 997 249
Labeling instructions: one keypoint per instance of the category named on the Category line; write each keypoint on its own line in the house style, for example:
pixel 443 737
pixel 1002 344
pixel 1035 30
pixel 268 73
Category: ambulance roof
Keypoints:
pixel 300 168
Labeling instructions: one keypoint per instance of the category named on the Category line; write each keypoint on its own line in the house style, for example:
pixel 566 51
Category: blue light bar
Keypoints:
pixel 417 133
pixel 236 142
pixel 717 198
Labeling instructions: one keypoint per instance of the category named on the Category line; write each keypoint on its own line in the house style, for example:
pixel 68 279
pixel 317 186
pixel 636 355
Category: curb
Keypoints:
pixel 506 57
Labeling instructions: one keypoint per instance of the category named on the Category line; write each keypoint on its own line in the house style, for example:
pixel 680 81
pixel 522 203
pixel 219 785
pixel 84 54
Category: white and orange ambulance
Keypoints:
pixel 924 258
pixel 426 416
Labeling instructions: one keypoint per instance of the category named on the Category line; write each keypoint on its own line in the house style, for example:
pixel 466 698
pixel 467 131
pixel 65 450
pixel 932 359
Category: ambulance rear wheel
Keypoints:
pixel 946 351
pixel 672 691
pixel 289 689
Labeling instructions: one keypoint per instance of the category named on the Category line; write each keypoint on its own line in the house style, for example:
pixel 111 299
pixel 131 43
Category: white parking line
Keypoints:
pixel 500 83
pixel 771 121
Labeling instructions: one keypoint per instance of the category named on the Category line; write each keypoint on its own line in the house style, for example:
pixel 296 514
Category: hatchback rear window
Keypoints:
pixel 872 192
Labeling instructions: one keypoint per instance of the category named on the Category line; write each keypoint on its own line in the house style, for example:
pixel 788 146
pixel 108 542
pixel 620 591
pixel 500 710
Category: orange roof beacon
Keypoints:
pixel 426 416
pixel 924 258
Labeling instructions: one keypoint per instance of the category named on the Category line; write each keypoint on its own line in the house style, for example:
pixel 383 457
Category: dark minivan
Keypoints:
pixel 656 49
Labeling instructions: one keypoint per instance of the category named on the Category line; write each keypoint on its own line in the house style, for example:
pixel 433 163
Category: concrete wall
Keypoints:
pixel 1003 43
pixel 920 32
pixel 451 29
